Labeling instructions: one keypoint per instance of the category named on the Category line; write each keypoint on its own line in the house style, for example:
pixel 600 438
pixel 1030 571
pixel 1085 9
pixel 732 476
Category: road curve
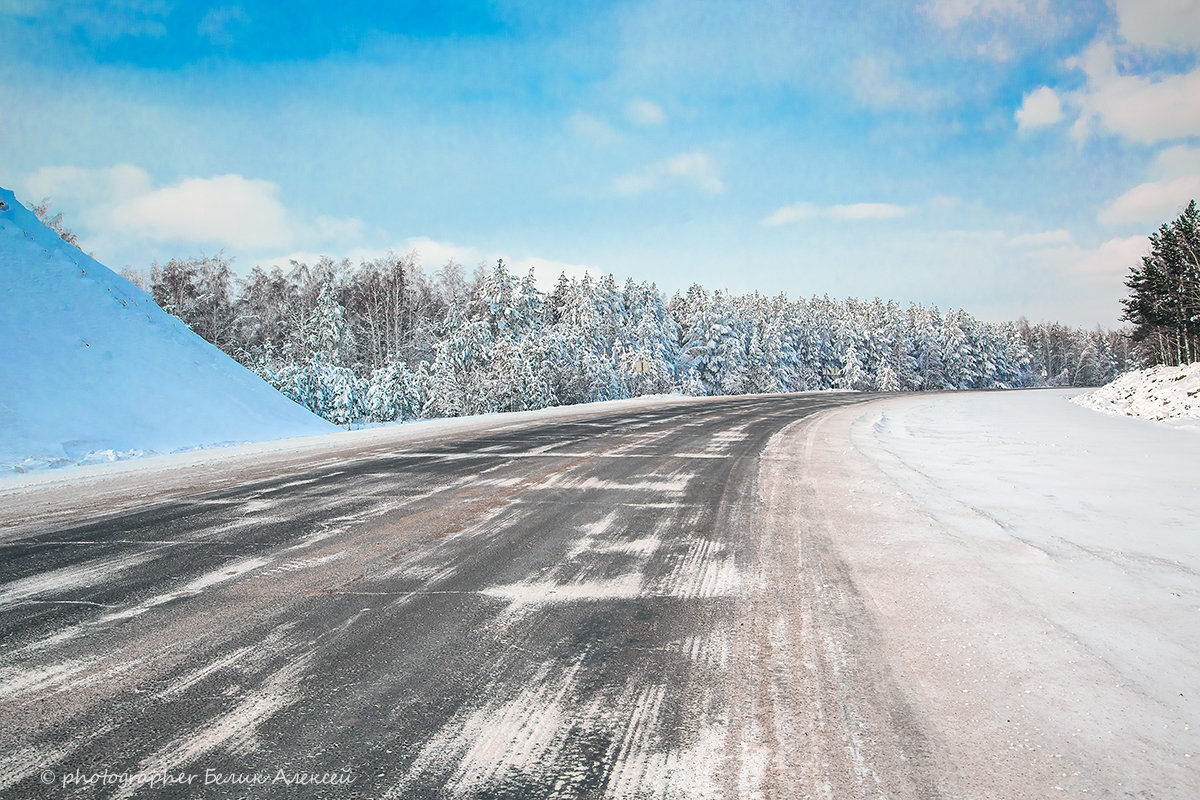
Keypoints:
pixel 592 608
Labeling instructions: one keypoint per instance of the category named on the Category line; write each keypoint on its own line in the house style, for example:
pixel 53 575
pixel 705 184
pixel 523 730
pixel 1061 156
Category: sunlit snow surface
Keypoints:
pixel 92 370
pixel 1163 394
pixel 1094 517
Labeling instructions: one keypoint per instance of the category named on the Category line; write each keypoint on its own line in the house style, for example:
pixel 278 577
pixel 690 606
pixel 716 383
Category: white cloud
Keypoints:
pixel 93 190
pixel 1108 263
pixel 1043 239
pixel 1159 23
pixel 1177 160
pixel 1000 30
pixel 591 127
pixel 1078 285
pixel 876 84
pixel 121 203
pixel 695 169
pixel 798 212
pixel 1153 202
pixel 340 229
pixel 1175 180
pixel 433 255
pixel 1039 108
pixel 644 112
pixel 857 211
pixel 226 210
pixel 953 13
pixel 547 270
pixel 1138 107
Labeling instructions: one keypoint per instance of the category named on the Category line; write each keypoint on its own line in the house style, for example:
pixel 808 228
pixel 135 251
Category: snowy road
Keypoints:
pixel 731 598
pixel 551 610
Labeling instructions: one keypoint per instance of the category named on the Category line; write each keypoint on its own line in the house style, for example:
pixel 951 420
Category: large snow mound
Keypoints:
pixel 91 369
pixel 1159 393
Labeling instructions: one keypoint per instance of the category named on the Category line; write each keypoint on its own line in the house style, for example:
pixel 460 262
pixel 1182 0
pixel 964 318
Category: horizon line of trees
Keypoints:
pixel 386 341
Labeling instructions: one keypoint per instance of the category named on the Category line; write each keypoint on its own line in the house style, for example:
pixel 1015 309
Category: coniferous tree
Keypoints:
pixel 1164 301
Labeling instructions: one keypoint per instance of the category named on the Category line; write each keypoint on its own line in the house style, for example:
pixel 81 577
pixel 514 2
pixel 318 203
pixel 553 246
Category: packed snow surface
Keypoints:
pixel 92 370
pixel 1034 572
pixel 1165 394
pixel 1092 519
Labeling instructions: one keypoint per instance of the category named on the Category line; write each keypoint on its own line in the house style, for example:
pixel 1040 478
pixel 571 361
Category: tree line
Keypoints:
pixel 1164 292
pixel 385 340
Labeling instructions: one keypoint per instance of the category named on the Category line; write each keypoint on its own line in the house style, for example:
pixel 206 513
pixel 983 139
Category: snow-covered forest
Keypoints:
pixel 386 341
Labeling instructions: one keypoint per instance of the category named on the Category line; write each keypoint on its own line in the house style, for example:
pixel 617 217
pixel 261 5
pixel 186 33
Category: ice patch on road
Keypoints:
pixel 255 505
pixel 500 741
pixel 225 573
pixel 69 578
pixel 522 595
pixel 642 547
pixel 590 532
pixel 236 731
pixel 642 767
pixel 724 441
pixel 527 745
pixel 703 570
pixel 674 485
pixel 196 676
pixel 15 682
pixel 711 650
pixel 194 587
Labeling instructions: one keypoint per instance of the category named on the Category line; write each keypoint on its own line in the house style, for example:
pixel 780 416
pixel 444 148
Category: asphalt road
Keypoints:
pixel 583 609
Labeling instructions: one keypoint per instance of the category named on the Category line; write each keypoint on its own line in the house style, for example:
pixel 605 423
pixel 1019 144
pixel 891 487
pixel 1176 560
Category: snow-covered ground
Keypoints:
pixel 1163 394
pixel 1036 571
pixel 1034 466
pixel 92 370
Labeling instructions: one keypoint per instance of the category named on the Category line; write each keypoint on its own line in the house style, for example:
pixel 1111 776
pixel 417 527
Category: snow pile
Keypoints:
pixel 92 370
pixel 1158 393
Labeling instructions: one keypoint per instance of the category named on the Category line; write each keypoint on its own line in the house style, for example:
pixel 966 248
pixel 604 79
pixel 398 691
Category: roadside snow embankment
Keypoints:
pixel 1159 393
pixel 91 369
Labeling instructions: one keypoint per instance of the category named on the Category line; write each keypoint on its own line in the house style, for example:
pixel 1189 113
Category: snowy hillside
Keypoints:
pixel 1158 393
pixel 91 369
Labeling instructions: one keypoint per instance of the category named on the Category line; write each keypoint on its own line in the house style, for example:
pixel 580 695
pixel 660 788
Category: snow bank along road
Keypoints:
pixel 734 598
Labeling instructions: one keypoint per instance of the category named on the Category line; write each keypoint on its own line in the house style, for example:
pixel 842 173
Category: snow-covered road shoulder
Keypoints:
pixel 1034 570
pixel 1163 394
pixel 1046 470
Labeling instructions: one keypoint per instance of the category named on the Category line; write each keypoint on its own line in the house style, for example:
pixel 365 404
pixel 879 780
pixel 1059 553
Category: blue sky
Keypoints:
pixel 1006 156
